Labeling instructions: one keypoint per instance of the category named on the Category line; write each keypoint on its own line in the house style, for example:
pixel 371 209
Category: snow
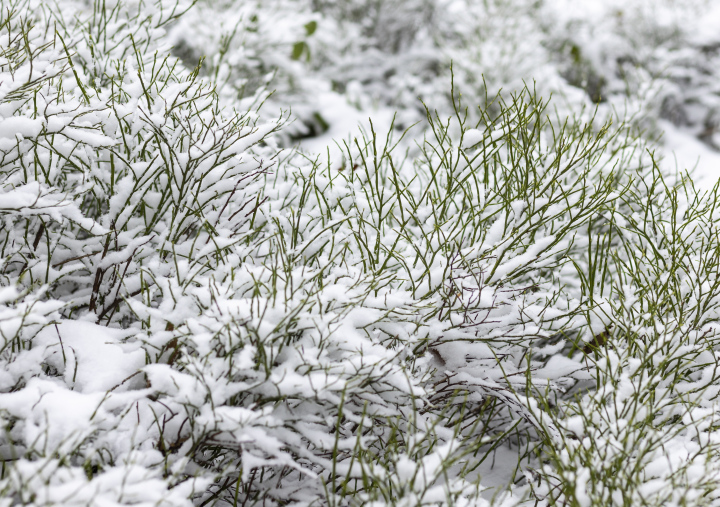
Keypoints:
pixel 496 470
pixel 92 357
pixel 87 136
pixel 16 126
pixel 55 417
pixel 344 122
pixel 685 152
pixel 472 137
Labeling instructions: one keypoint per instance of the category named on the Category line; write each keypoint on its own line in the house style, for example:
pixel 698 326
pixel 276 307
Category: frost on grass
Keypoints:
pixel 190 316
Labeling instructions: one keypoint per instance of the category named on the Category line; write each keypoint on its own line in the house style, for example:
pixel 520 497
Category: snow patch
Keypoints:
pixel 92 358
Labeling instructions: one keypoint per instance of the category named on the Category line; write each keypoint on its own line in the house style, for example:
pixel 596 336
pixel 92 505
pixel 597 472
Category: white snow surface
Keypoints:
pixel 685 152
pixel 92 358
pixel 345 121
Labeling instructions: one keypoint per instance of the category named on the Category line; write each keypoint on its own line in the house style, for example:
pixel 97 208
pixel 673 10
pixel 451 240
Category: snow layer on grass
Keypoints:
pixel 92 358
pixel 24 127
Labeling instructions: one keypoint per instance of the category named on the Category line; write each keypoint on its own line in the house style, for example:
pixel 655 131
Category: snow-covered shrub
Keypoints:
pixel 646 432
pixel 115 168
pixel 369 336
pixel 654 59
pixel 190 315
pixel 252 49
pixel 652 63
pixel 304 51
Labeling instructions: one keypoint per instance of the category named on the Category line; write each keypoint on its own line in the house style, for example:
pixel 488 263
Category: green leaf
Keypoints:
pixel 310 28
pixel 300 48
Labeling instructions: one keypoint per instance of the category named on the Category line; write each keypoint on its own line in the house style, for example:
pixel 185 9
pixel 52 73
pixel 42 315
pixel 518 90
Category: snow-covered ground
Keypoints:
pixel 684 151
